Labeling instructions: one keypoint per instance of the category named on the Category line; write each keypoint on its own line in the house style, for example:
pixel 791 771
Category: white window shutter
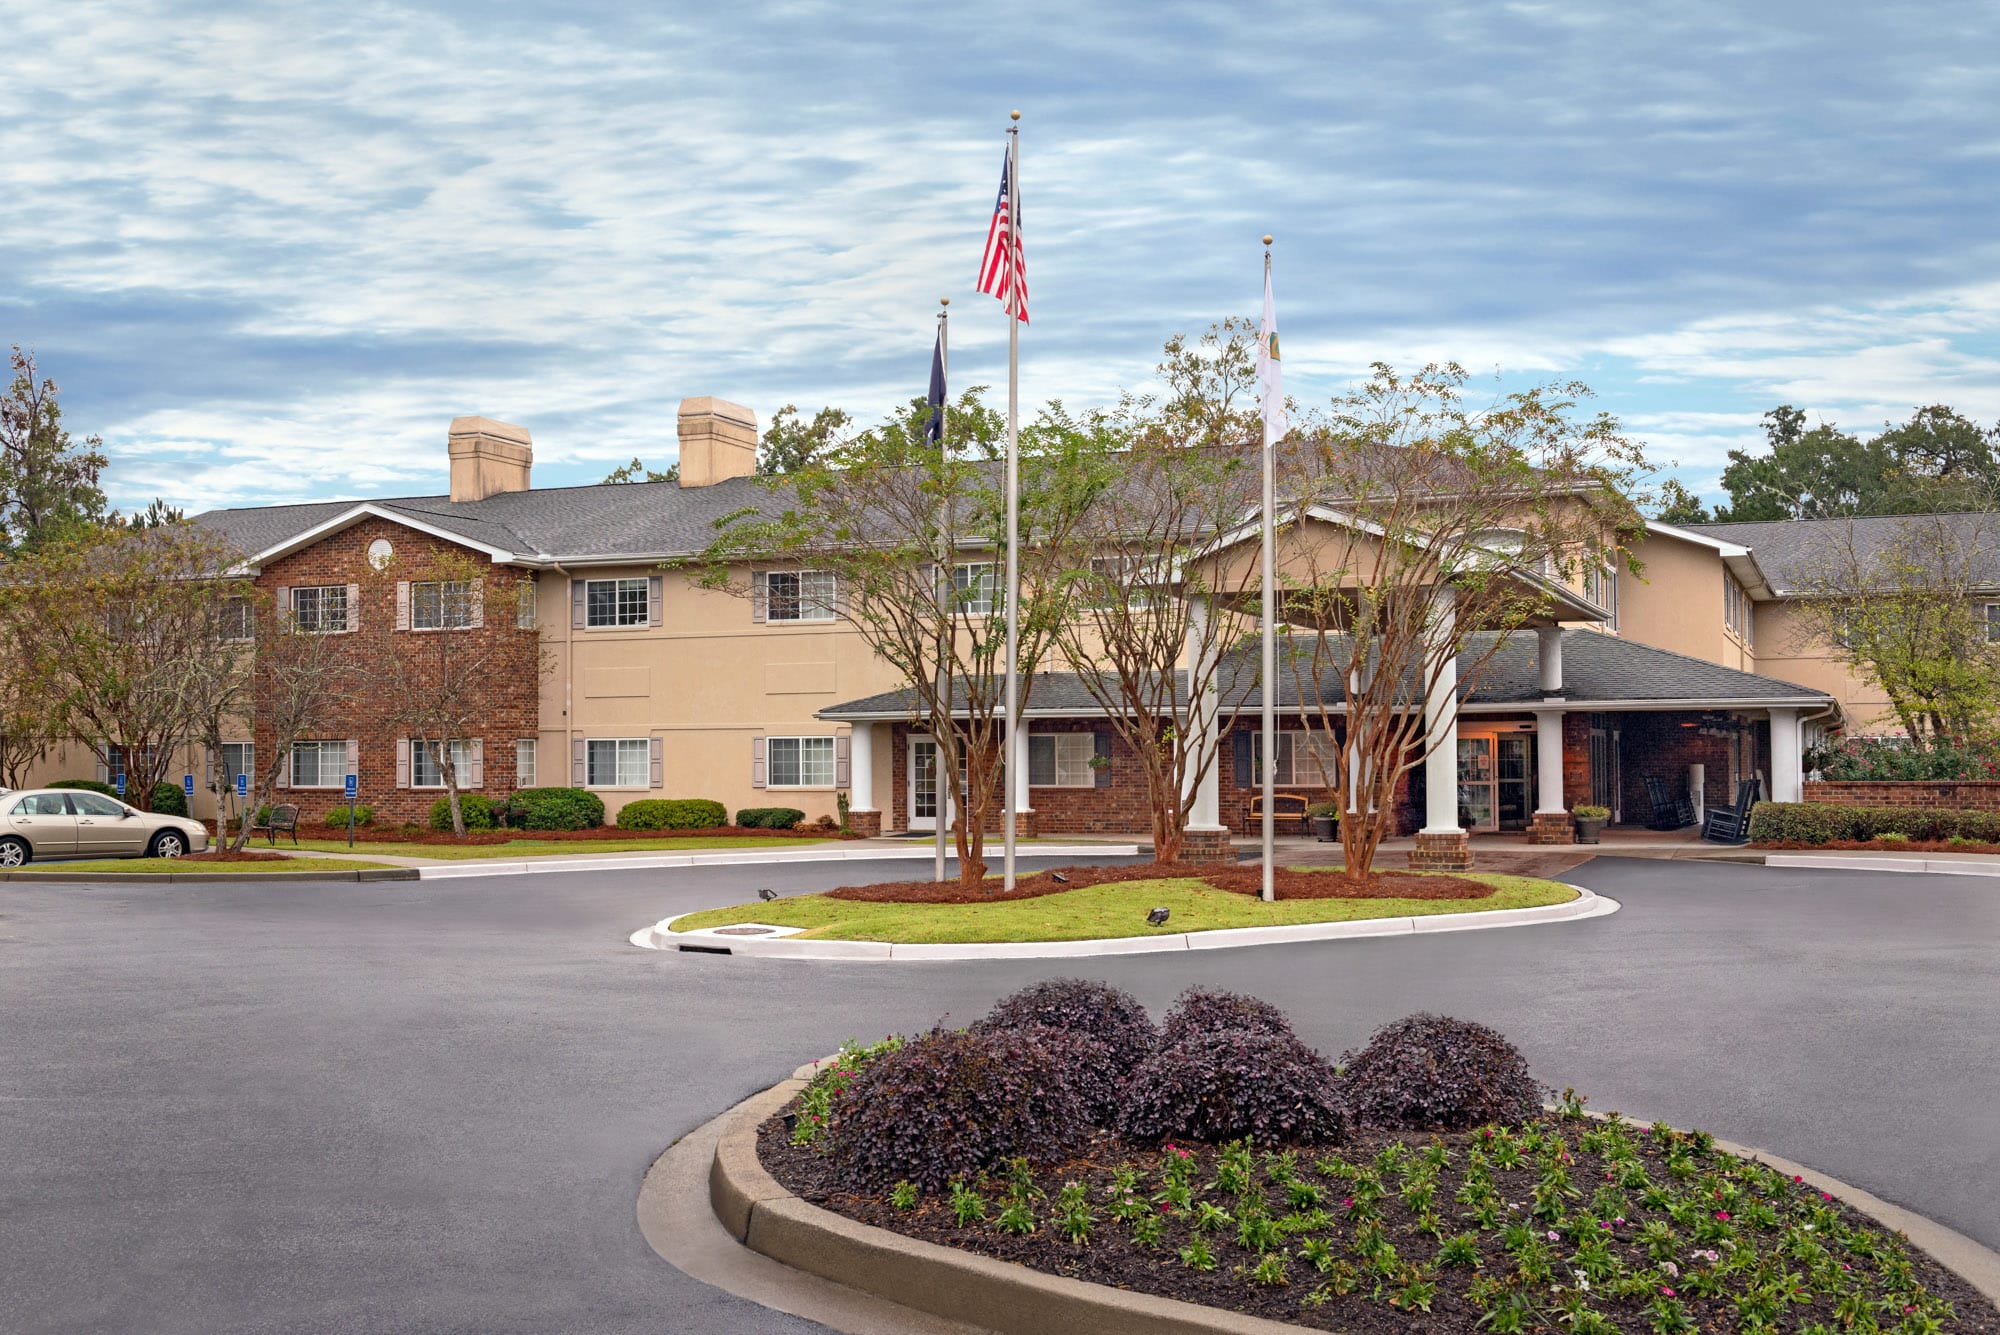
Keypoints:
pixel 402 604
pixel 208 766
pixel 402 762
pixel 576 762
pixel 656 587
pixel 841 760
pixel 524 605
pixel 284 606
pixel 354 759
pixel 756 762
pixel 285 769
pixel 656 758
pixel 103 771
pixel 354 607
pixel 839 595
pixel 478 766
pixel 479 605
pixel 576 604
pixel 760 597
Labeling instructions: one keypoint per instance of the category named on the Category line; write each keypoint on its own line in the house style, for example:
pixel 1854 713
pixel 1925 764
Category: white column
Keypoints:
pixel 1441 726
pixel 1787 756
pixel 1205 812
pixel 1017 766
pixel 861 768
pixel 1549 646
pixel 1549 760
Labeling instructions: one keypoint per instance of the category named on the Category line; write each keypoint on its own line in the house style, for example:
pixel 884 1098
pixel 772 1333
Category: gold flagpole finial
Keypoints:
pixel 1013 115
pixel 1267 238
pixel 944 301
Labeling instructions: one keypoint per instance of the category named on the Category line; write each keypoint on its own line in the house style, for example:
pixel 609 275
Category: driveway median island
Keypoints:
pixel 1095 903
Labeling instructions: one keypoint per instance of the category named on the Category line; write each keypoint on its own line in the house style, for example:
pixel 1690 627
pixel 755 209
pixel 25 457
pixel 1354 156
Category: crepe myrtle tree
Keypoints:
pixel 1415 523
pixel 1907 612
pixel 307 681
pixel 1151 620
pixel 28 712
pixel 904 542
pixel 124 629
pixel 438 676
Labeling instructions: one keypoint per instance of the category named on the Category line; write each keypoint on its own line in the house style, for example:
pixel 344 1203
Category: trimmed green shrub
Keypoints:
pixel 672 813
pixel 1227 1083
pixel 555 809
pixel 769 818
pixel 1895 759
pixel 363 815
pixel 1426 1071
pixel 950 1103
pixel 169 799
pixel 479 812
pixel 1109 1015
pixel 88 785
pixel 1816 823
pixel 1201 1011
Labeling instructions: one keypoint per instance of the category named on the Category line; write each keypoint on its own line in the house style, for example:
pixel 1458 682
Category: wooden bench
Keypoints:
pixel 283 820
pixel 1284 807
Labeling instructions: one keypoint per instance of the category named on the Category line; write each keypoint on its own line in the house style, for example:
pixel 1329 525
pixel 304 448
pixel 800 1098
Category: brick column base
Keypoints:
pixel 1442 852
pixel 1207 846
pixel 868 823
pixel 1552 827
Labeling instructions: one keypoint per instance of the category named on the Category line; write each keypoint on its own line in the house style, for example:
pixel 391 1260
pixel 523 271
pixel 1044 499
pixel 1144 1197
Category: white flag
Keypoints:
pixel 1270 372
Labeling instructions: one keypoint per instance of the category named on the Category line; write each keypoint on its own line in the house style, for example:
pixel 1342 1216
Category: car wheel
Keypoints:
pixel 14 853
pixel 168 844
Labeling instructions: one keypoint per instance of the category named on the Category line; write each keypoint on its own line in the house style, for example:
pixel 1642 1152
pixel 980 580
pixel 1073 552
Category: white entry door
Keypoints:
pixel 923 795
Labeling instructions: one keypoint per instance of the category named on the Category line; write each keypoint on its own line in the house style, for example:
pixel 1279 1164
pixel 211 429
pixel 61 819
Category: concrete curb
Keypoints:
pixel 661 936
pixel 101 877
pixel 735 858
pixel 966 1286
pixel 1835 862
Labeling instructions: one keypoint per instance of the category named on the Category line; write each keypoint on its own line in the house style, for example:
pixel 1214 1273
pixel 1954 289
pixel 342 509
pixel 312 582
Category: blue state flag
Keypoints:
pixel 934 424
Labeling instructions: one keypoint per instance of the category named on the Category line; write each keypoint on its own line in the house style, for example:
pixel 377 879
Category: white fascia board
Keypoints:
pixel 369 510
pixel 1740 560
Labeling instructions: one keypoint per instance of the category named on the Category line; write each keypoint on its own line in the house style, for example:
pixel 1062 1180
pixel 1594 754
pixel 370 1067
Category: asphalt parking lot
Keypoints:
pixel 427 1106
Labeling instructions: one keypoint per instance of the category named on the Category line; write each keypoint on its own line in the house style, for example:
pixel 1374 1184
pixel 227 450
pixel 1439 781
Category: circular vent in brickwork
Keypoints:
pixel 379 552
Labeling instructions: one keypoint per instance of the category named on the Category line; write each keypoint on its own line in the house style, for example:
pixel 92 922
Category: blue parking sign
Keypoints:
pixel 118 781
pixel 353 786
pixel 243 785
pixel 187 784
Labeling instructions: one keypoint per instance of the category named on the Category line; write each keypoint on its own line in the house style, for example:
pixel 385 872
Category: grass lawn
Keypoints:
pixel 1101 911
pixel 542 848
pixel 158 865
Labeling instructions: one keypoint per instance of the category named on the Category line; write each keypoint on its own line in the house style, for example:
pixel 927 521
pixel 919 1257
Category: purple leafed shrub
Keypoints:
pixel 1210 1010
pixel 950 1103
pixel 1234 1082
pixel 1436 1073
pixel 1108 1014
pixel 1095 1077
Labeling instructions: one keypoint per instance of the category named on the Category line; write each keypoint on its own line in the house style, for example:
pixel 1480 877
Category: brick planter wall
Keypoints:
pixel 510 689
pixel 1969 795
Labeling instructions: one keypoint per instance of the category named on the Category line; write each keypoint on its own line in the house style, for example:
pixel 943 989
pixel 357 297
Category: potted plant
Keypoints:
pixel 1325 817
pixel 1589 822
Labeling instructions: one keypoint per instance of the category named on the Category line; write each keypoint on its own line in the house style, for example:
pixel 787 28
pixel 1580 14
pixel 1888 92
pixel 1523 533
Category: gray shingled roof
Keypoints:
pixel 1598 670
pixel 1786 549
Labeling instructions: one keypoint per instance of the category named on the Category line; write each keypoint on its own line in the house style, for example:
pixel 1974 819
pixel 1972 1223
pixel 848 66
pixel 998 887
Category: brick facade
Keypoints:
pixel 371 718
pixel 1944 796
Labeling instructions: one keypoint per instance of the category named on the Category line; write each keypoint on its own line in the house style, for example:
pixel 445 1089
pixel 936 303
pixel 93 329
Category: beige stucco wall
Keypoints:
pixel 1786 652
pixel 1676 602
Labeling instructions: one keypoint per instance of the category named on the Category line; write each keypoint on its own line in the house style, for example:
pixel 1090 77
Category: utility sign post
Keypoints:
pixel 351 788
pixel 187 787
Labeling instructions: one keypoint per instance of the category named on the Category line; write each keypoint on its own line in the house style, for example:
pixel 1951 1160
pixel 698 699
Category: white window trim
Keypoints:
pixel 771 764
pixel 530 768
pixel 1287 773
pixel 994 597
pixel 346 613
pixel 470 588
pixel 461 762
pixel 249 611
pixel 823 609
pixel 319 746
pixel 1992 623
pixel 645 745
pixel 1057 739
pixel 645 610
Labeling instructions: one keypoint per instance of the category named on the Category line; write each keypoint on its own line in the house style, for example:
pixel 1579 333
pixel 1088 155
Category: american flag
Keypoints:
pixel 997 277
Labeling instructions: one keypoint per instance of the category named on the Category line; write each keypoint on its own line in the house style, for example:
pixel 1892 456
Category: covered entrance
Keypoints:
pixel 1496 776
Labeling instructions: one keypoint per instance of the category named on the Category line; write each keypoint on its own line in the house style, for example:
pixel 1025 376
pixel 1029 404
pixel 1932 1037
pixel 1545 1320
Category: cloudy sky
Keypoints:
pixel 269 251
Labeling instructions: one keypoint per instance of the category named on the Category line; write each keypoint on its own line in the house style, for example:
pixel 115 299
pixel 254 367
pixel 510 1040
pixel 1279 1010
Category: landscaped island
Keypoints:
pixel 1099 902
pixel 1418 1186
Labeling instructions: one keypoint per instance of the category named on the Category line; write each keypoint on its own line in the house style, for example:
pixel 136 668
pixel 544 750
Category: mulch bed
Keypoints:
pixel 1874 846
pixel 1111 1258
pixel 1239 879
pixel 230 855
pixel 378 834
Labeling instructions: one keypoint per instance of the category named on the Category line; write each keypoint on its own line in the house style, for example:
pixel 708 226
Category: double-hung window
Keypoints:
pixel 616 602
pixel 973 584
pixel 318 764
pixel 1304 760
pixel 1993 622
pixel 321 608
pixel 425 772
pixel 238 758
pixel 237 620
pixel 524 764
pixel 1062 760
pixel 799 595
pixel 1115 582
pixel 617 762
pixel 442 604
pixel 800 762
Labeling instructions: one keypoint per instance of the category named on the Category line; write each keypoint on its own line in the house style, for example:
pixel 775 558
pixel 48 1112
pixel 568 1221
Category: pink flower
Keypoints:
pixel 1723 1215
pixel 1797 1178
pixel 1602 1224
pixel 1667 1291
pixel 1347 1203
pixel 1553 1235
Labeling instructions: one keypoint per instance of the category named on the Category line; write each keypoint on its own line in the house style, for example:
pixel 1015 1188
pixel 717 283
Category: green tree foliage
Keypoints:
pixel 1939 460
pixel 637 471
pixel 790 442
pixel 1675 504
pixel 48 483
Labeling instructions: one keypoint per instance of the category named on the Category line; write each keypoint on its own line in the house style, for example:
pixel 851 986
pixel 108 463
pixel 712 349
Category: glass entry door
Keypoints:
pixel 1478 807
pixel 1515 798
pixel 923 784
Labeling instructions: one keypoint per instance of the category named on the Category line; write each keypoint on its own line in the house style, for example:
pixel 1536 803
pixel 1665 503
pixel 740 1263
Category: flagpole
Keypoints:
pixel 1268 834
pixel 1016 753
pixel 941 578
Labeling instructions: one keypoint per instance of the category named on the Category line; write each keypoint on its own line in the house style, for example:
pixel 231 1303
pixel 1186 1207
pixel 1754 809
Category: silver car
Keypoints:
pixel 75 822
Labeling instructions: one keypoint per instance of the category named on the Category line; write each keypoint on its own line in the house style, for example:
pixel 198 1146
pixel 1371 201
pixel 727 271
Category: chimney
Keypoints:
pixel 488 457
pixel 718 441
